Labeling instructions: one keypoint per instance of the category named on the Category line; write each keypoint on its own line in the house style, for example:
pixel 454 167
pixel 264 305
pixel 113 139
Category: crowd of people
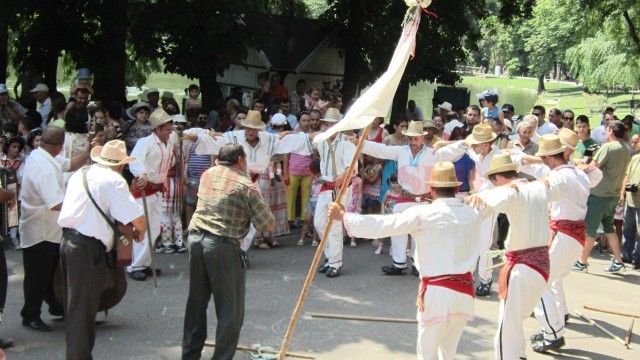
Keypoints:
pixel 178 165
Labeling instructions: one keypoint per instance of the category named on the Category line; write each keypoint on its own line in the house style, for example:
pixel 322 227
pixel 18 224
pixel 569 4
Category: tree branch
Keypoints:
pixel 632 30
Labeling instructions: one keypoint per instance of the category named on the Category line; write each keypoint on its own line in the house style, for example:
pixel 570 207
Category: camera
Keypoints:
pixel 631 188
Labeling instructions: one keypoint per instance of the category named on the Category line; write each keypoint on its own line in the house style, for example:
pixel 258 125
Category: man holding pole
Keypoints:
pixel 154 157
pixel 227 203
pixel 445 297
pixel 415 162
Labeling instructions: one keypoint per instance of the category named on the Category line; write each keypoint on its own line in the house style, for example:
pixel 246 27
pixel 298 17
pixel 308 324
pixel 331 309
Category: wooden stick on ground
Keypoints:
pixel 599 327
pixel 153 255
pixel 362 318
pixel 316 259
pixel 627 339
pixel 247 348
pixel 637 316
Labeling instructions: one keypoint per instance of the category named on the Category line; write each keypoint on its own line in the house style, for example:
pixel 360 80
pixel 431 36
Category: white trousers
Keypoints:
pixel 399 242
pixel 248 239
pixel 333 249
pixel 525 289
pixel 552 307
pixel 141 255
pixel 440 340
pixel 486 239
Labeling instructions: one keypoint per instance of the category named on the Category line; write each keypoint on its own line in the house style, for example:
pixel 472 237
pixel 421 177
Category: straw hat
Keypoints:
pixel 131 112
pixel 113 153
pixel 428 123
pixel 500 163
pixel 568 138
pixel 332 115
pixel 481 134
pixel 444 175
pixel 414 129
pixel 445 106
pixel 167 95
pixel 158 118
pixel 253 120
pixel 549 144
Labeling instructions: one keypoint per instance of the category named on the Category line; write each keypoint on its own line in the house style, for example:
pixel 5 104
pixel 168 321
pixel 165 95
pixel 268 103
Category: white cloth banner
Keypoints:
pixel 376 101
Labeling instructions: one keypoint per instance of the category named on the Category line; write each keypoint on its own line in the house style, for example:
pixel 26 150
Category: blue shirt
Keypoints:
pixel 463 167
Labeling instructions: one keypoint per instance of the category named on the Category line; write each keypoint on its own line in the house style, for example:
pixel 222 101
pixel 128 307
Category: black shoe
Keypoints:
pixel 138 275
pixel 539 336
pixel 5 343
pixel 566 318
pixel 37 325
pixel 332 272
pixel 147 271
pixel 56 312
pixel 626 260
pixel 546 345
pixel 414 271
pixel 392 270
pixel 484 289
pixel 323 268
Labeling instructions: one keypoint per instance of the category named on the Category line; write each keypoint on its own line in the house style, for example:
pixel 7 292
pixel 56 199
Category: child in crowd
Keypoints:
pixel 192 102
pixel 33 142
pixel 313 102
pixel 392 197
pixel 278 124
pixel 12 162
pixel 489 103
pixel 314 167
pixel 355 205
pixel 372 185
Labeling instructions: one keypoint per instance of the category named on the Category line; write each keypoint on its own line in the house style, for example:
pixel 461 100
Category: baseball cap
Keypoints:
pixel 509 108
pixel 40 87
pixel 3 89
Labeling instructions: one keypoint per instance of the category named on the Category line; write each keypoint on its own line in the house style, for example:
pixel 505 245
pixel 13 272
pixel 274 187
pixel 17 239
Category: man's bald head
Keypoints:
pixel 52 136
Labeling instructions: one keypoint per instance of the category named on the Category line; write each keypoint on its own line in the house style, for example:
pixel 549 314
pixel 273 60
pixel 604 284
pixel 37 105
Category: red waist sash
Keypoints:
pixel 149 189
pixel 536 258
pixel 331 186
pixel 462 283
pixel 573 228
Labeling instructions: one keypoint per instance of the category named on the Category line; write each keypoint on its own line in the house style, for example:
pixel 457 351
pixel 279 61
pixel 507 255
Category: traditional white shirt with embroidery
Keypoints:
pixel 482 162
pixel 154 157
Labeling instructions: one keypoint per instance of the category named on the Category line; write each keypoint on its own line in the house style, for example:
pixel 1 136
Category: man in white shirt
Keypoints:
pixel 544 127
pixel 41 93
pixel 524 277
pixel 154 157
pixel 599 134
pixel 41 197
pixel 445 299
pixel 87 239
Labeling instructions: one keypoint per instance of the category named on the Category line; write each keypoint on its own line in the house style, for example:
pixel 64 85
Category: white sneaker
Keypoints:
pixel 378 250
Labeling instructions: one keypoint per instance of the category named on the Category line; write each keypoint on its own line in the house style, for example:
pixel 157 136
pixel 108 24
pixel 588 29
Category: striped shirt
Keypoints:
pixel 227 202
pixel 198 164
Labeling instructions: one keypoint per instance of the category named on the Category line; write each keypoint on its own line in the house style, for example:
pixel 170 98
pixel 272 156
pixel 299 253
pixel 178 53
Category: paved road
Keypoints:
pixel 148 323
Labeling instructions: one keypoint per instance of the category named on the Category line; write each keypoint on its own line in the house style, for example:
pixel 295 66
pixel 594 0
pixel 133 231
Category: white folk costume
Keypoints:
pixel 568 234
pixel 481 183
pixel 258 157
pixel 523 279
pixel 445 297
pixel 154 158
pixel 171 224
pixel 413 173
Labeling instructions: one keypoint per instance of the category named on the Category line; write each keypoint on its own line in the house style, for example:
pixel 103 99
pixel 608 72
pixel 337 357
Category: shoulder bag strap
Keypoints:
pixel 112 224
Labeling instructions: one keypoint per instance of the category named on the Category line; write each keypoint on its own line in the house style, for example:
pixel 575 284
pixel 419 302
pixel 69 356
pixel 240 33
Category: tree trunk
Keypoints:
pixel 352 59
pixel 4 40
pixel 632 31
pixel 210 90
pixel 50 70
pixel 401 97
pixel 541 87
pixel 110 70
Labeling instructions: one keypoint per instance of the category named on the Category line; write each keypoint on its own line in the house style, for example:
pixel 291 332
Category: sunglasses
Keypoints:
pixel 536 114
pixel 567 118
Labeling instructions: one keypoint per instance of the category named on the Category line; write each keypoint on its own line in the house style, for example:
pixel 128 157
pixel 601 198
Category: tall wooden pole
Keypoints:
pixel 316 259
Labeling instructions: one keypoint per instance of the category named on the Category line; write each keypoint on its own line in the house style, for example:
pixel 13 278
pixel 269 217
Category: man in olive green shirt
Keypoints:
pixel 630 245
pixel 612 158
pixel 227 202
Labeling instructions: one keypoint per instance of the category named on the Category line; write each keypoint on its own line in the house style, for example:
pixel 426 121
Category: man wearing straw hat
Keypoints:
pixel 87 237
pixel 445 297
pixel 415 162
pixel 480 148
pixel 259 146
pixel 154 156
pixel 524 277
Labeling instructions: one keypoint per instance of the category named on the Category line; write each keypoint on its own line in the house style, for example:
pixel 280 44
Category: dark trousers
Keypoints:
pixel 40 262
pixel 216 266
pixel 4 277
pixel 83 269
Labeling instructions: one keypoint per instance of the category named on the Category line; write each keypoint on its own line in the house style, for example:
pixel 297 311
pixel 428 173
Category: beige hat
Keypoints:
pixel 332 115
pixel 167 95
pixel 131 112
pixel 481 134
pixel 179 118
pixel 40 87
pixel 113 153
pixel 253 120
pixel 445 106
pixel 414 129
pixel 158 118
pixel 549 144
pixel 444 175
pixel 428 123
pixel 500 163
pixel 568 138
pixel 507 123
